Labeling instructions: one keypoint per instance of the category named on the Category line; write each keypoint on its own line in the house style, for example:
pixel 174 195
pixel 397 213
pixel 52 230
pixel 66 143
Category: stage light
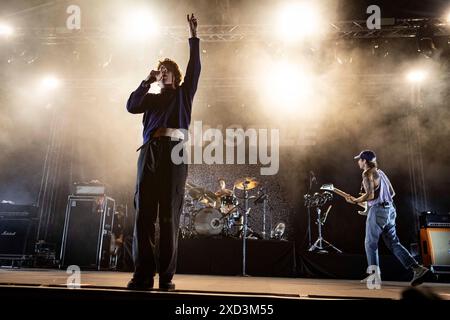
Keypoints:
pixel 299 21
pixel 343 52
pixel 6 30
pixel 139 24
pixel 416 76
pixel 50 82
pixel 447 17
pixel 426 47
pixel 286 86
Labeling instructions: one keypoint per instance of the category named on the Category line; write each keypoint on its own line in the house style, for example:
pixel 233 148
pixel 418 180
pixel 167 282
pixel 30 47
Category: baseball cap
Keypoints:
pixel 367 155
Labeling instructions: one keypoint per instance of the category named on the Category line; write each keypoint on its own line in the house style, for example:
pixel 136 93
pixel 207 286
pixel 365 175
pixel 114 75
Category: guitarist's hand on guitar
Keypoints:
pixel 347 197
pixel 350 199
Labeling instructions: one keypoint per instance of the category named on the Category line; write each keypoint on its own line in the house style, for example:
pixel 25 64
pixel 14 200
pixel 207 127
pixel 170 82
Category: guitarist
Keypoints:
pixel 378 193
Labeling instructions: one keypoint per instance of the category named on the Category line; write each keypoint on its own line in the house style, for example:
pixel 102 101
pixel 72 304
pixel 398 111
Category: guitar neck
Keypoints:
pixel 344 194
pixel 340 192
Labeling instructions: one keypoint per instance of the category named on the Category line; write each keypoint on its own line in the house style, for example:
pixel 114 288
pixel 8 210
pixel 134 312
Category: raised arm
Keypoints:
pixel 194 67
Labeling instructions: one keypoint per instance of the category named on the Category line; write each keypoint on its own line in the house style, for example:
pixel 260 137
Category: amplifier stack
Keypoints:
pixel 88 226
pixel 18 231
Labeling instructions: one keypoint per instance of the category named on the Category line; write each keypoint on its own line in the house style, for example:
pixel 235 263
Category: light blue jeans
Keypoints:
pixel 381 222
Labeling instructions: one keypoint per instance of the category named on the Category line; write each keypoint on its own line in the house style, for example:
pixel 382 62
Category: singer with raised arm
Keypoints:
pixel 160 181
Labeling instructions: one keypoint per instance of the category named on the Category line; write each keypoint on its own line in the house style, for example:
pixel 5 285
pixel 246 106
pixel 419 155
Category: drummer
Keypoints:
pixel 227 201
pixel 223 191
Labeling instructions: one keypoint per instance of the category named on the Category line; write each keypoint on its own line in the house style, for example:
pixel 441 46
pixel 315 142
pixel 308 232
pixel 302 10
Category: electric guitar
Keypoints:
pixel 330 187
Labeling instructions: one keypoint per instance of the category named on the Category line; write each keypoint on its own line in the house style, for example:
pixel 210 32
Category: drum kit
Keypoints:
pixel 223 213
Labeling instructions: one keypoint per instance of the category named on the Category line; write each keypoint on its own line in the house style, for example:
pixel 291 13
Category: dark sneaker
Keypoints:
pixel 140 285
pixel 419 275
pixel 166 285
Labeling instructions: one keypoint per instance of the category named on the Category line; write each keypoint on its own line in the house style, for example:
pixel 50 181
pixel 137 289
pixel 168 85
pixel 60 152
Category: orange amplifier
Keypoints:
pixel 435 242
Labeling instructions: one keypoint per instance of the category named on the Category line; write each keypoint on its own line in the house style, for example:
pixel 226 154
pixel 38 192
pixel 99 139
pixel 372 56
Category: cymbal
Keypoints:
pixel 190 185
pixel 224 192
pixel 249 183
pixel 198 193
pixel 210 195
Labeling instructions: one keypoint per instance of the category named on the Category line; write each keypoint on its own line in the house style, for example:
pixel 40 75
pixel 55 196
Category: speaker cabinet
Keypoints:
pixel 17 236
pixel 435 246
pixel 18 228
pixel 87 232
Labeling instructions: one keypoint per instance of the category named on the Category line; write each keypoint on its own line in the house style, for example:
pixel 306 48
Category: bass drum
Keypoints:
pixel 208 222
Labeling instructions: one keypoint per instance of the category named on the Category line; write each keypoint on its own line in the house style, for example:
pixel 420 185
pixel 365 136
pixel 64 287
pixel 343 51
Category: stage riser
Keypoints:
pixel 268 258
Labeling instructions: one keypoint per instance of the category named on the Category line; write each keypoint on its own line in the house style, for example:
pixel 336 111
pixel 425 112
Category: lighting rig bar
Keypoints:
pixel 391 28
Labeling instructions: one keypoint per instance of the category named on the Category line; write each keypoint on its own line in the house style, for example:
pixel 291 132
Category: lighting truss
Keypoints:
pixel 391 28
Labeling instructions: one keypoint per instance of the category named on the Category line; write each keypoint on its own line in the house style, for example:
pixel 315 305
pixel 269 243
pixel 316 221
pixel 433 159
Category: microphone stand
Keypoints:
pixel 264 198
pixel 244 236
pixel 308 209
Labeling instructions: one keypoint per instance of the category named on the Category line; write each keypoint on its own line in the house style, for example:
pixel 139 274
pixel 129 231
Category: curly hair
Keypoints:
pixel 173 67
pixel 372 164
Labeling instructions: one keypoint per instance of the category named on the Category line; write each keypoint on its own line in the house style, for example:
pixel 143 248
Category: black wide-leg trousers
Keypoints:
pixel 159 191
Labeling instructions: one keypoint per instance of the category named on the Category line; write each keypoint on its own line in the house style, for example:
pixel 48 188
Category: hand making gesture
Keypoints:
pixel 192 21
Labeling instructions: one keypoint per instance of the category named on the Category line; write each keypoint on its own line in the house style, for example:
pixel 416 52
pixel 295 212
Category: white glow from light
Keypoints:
pixel 138 24
pixel 154 88
pixel 299 21
pixel 287 86
pixel 416 76
pixel 6 30
pixel 447 17
pixel 50 82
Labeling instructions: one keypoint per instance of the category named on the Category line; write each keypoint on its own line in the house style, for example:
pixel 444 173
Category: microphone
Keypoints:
pixel 149 81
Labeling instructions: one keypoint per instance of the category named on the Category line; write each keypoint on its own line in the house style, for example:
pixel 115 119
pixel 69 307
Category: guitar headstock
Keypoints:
pixel 327 187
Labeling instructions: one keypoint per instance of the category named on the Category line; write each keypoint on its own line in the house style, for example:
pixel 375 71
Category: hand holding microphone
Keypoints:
pixel 154 76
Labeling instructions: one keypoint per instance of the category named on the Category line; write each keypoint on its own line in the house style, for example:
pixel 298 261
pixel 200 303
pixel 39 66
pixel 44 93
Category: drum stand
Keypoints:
pixel 264 198
pixel 320 240
pixel 244 236
pixel 186 227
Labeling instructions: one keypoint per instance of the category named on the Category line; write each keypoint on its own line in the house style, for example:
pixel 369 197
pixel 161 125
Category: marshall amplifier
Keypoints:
pixel 18 226
pixel 87 232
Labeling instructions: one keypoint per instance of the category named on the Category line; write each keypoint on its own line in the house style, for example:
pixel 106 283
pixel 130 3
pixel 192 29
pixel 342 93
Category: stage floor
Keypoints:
pixel 288 287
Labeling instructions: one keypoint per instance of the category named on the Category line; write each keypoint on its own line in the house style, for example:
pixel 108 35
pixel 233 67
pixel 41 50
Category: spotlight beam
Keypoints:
pixel 416 76
pixel 6 30
pixel 139 25
pixel 299 21
pixel 50 82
